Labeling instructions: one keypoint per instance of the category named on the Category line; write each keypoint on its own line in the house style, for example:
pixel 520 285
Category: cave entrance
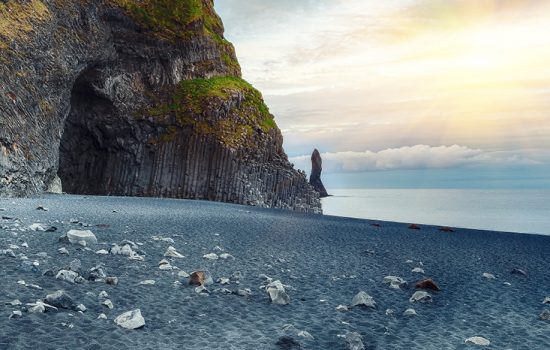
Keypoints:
pixel 83 151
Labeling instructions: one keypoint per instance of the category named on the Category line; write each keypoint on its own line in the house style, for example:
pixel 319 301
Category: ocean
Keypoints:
pixel 526 211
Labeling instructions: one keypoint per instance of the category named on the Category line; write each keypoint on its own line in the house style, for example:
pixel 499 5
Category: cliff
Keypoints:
pixel 315 176
pixel 135 98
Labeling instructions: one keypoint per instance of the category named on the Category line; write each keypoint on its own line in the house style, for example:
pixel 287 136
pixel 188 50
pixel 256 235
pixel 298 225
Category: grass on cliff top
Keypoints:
pixel 174 18
pixel 194 96
pixel 17 19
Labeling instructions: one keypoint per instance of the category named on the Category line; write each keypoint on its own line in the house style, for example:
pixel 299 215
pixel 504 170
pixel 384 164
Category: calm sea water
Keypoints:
pixel 525 211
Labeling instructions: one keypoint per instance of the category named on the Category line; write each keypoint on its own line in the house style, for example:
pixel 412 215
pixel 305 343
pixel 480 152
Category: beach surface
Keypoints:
pixel 322 262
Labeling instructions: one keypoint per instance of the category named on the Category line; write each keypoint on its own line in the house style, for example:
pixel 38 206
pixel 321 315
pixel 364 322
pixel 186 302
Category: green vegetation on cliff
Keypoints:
pixel 18 18
pixel 194 101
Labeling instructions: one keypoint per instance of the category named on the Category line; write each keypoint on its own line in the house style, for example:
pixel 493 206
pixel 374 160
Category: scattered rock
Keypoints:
pixel 108 303
pixel 63 251
pixel 389 312
pixel 421 297
pixel 546 300
pixel 147 283
pixel 113 281
pixel 42 208
pixel 354 341
pixel 518 272
pixel 201 289
pixel 102 252
pixel 395 282
pixel 363 299
pixel 223 280
pixel 427 284
pixel 102 317
pixel 226 256
pixel 418 270
pixel 130 320
pixel 69 276
pixel 163 239
pixel 342 308
pixel 83 238
pixel 172 253
pixel 414 227
pixel 75 265
pixel 287 343
pixel 489 276
pixel 246 292
pixel 15 302
pixel 211 256
pixel 478 341
pixel 16 314
pixel 236 276
pixel 183 274
pixel 277 293
pixel 42 227
pixel 7 252
pixel 60 299
pixel 545 315
pixel 81 308
pixel 200 278
pixel 103 295
pixel 39 307
pixel 96 274
pixel 446 229
pixel 128 249
pixel 165 265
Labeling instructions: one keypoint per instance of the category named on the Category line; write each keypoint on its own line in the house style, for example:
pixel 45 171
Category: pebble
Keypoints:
pixel 147 283
pixel 244 292
pixel 545 315
pixel 363 299
pixel 103 295
pixel 226 256
pixel 60 299
pixel 478 341
pixel 130 320
pixel 102 317
pixel 421 297
pixel 183 274
pixel 108 303
pixel 113 281
pixel 68 276
pixel 102 252
pixel 489 276
pixel 546 300
pixel 410 312
pixel 223 280
pixel 427 284
pixel 81 308
pixel 520 272
pixel 16 314
pixel 418 270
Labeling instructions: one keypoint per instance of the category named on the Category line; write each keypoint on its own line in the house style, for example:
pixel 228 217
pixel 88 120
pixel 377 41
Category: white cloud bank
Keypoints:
pixel 413 157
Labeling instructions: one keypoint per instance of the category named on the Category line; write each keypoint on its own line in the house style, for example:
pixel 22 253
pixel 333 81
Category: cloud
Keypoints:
pixel 413 157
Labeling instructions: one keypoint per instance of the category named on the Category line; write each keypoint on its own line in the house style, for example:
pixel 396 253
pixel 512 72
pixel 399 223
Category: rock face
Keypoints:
pixel 118 97
pixel 315 177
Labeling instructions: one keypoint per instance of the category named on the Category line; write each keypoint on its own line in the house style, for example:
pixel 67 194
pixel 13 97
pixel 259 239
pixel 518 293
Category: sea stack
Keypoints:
pixel 315 177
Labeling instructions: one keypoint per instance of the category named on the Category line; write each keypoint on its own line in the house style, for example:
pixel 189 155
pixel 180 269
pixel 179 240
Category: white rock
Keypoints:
pixel 305 335
pixel 16 314
pixel 354 341
pixel 15 302
pixel 66 275
pixel 102 317
pixel 546 300
pixel 103 295
pixel 410 312
pixel 418 270
pixel 342 308
pixel 395 282
pixel 545 315
pixel 39 307
pixel 130 319
pixel 165 265
pixel 102 252
pixel 390 312
pixel 507 284
pixel 147 282
pixel 409 262
pixel 163 239
pixel 211 256
pixel 489 276
pixel 173 253
pixel 421 297
pixel 81 308
pixel 226 256
pixel 277 293
pixel 223 280
pixel 244 292
pixel 24 245
pixel 84 238
pixel 201 289
pixel 63 251
pixel 363 299
pixel 38 227
pixel 478 341
pixel 108 303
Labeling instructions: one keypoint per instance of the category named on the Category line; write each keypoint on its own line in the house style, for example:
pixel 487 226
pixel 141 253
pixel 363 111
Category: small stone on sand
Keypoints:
pixel 478 341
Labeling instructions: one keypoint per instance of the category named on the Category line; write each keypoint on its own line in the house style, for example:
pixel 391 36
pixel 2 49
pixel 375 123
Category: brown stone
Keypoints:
pixel 446 229
pixel 427 284
pixel 414 227
pixel 197 278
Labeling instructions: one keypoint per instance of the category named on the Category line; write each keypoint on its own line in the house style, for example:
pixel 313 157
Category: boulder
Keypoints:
pixel 171 252
pixel 130 320
pixel 68 276
pixel 200 278
pixel 315 177
pixel 363 299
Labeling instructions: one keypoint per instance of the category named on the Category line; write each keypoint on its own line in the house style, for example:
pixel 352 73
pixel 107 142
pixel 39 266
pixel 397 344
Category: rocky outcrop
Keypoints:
pixel 315 177
pixel 137 98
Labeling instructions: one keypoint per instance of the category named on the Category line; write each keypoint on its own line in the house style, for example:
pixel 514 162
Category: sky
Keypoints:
pixel 396 92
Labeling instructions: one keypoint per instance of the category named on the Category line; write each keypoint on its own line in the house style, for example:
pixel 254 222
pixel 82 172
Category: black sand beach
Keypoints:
pixel 323 262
